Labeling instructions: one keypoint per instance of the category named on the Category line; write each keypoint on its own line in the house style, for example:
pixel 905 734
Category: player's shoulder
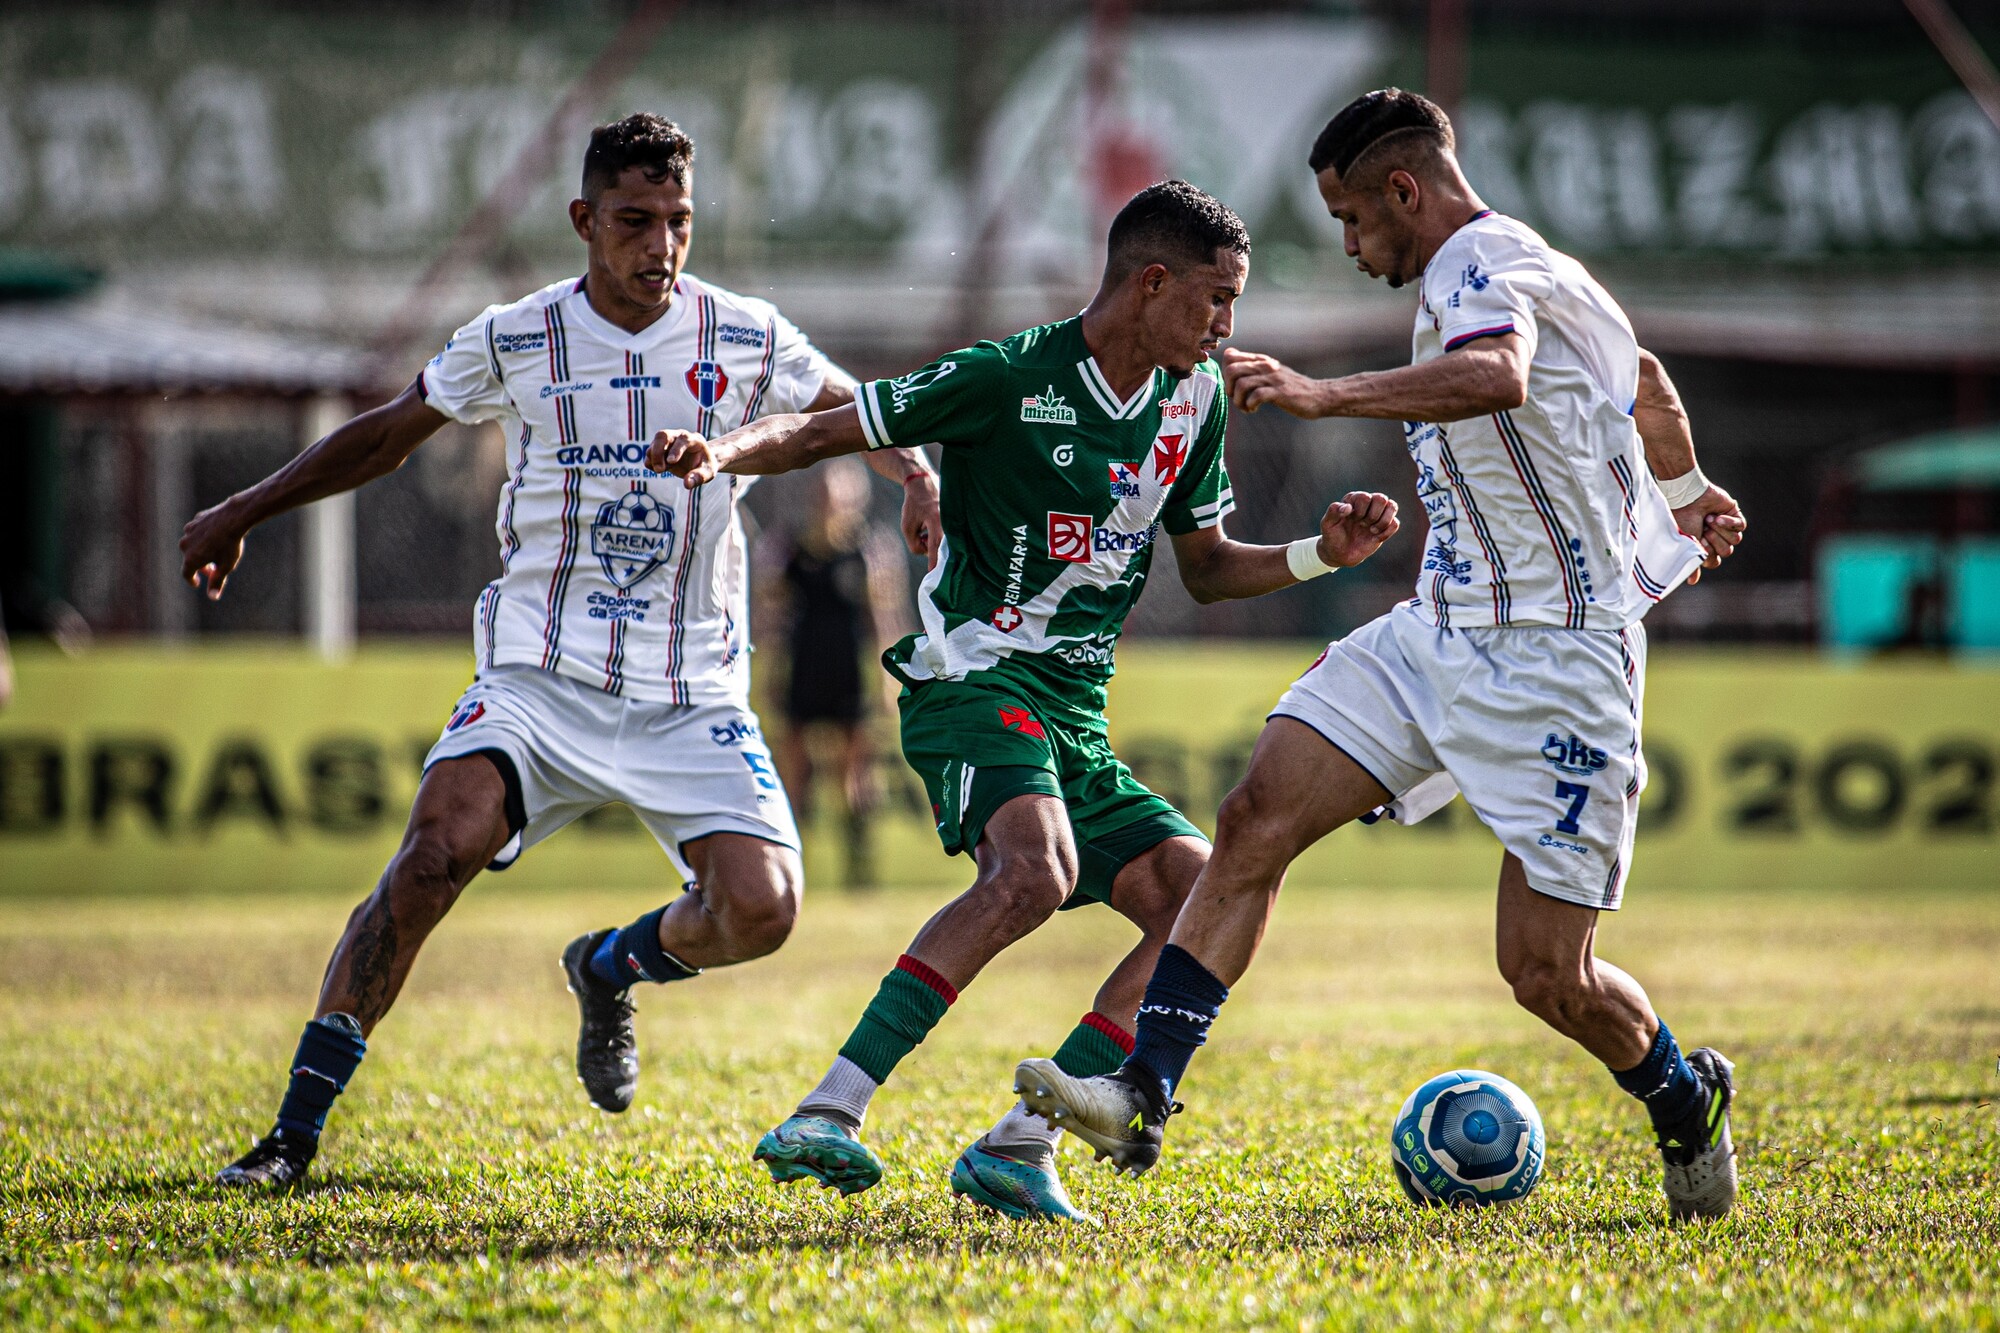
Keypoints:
pixel 731 308
pixel 1043 347
pixel 532 308
pixel 1496 243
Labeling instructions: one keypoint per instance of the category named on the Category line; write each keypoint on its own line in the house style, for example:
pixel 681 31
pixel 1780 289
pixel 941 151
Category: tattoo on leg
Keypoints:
pixel 370 961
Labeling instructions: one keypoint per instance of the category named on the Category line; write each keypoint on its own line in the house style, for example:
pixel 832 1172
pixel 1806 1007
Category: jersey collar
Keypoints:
pixel 602 329
pixel 1100 389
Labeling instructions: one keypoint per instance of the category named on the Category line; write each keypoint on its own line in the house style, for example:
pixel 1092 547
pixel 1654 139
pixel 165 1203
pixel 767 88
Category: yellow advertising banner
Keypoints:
pixel 152 769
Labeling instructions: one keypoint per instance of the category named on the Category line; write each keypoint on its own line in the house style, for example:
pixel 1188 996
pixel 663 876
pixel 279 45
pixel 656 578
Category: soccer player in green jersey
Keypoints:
pixel 1067 449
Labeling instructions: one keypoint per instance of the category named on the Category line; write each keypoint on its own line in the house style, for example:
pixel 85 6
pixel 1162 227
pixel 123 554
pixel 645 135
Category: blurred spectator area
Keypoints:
pixel 1796 201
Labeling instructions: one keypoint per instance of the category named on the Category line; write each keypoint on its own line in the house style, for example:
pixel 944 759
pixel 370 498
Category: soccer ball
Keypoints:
pixel 1467 1138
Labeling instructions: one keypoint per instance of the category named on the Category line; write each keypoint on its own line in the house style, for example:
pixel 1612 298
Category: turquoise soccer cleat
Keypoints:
pixel 1016 1188
pixel 814 1147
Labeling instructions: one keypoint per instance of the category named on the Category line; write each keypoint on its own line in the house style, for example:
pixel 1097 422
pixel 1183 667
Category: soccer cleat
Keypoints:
pixel 1701 1176
pixel 278 1161
pixel 816 1147
pixel 1120 1115
pixel 607 1050
pixel 1017 1187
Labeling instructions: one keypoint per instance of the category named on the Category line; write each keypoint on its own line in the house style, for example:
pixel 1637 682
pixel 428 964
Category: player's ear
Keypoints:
pixel 579 218
pixel 1404 189
pixel 1152 278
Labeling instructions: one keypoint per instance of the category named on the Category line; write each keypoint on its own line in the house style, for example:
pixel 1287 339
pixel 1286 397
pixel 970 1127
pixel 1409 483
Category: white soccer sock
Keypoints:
pixel 1022 1128
pixel 846 1089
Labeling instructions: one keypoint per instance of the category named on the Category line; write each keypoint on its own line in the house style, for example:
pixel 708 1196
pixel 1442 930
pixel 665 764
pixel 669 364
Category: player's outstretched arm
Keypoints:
pixel 784 442
pixel 1486 375
pixel 371 445
pixel 922 524
pixel 1216 569
pixel 1702 510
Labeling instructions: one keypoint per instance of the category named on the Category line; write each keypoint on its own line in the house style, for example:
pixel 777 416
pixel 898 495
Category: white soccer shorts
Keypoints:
pixel 686 770
pixel 1537 726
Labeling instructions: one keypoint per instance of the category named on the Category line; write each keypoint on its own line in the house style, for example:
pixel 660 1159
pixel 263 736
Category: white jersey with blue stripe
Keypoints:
pixel 609 573
pixel 1548 514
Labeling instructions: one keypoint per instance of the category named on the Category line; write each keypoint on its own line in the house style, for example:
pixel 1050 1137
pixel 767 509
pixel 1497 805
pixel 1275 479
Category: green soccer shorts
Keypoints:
pixel 978 747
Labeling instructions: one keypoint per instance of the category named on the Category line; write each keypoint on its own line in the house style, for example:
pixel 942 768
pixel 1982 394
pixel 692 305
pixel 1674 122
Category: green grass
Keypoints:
pixel 465 1181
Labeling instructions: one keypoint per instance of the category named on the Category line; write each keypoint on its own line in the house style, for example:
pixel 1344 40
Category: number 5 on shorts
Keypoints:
pixel 1576 794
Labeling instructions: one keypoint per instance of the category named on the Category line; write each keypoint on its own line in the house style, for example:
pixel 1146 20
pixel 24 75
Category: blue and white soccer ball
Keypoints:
pixel 1467 1138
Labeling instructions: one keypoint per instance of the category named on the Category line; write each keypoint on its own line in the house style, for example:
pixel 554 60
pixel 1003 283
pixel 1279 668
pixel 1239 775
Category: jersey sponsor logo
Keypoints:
pixel 1171 410
pixel 1111 540
pixel 1472 278
pixel 564 390
pixel 1087 652
pixel 734 732
pixel 1550 840
pixel 1124 481
pixel 1048 408
pixel 466 716
pixel 1008 619
pixel 1069 537
pixel 1017 563
pixel 1021 720
pixel 740 335
pixel 1572 754
pixel 1169 457
pixel 520 342
pixel 606 606
pixel 631 537
pixel 900 390
pixel 635 382
pixel 583 455
pixel 707 381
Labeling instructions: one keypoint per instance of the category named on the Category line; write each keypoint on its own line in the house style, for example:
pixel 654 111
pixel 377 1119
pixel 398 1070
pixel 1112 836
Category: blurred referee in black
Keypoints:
pixel 841 586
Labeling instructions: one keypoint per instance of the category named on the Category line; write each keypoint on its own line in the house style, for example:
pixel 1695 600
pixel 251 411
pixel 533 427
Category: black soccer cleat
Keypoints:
pixel 1700 1156
pixel 607 1050
pixel 278 1161
pixel 1123 1116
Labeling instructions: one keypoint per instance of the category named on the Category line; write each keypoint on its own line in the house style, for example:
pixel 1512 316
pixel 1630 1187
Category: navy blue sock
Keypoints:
pixel 632 955
pixel 330 1050
pixel 1665 1082
pixel 1182 999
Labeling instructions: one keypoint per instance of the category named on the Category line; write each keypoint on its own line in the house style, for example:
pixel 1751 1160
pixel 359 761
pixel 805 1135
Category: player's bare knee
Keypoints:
pixel 1027 888
pixel 759 921
pixel 1252 827
pixel 424 879
pixel 1554 991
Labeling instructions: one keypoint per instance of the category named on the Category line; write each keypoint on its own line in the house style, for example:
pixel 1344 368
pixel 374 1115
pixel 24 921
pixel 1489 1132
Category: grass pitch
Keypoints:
pixel 464 1179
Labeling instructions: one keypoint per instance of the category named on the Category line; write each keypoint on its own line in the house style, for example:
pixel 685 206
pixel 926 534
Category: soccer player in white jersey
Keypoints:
pixel 612 657
pixel 1558 476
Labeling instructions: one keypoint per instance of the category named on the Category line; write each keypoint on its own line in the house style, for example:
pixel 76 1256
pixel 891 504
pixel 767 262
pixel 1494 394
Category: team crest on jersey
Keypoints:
pixel 707 381
pixel 631 537
pixel 1048 408
pixel 1169 457
pixel 466 716
pixel 1124 481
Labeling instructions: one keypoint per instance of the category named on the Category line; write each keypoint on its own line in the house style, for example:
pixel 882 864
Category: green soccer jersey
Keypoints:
pixel 1053 495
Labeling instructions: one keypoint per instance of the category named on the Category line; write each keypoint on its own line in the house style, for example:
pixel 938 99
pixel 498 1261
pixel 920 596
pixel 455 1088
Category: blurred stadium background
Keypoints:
pixel 223 227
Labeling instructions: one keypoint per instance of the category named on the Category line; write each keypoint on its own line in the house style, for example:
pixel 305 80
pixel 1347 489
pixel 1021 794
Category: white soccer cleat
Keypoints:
pixel 1701 1178
pixel 1117 1114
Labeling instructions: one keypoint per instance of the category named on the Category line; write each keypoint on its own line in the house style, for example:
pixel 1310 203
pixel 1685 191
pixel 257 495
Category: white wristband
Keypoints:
pixel 1302 558
pixel 1685 489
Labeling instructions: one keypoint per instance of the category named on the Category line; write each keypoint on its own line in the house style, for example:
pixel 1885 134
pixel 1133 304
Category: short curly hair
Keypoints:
pixel 1172 223
pixel 651 143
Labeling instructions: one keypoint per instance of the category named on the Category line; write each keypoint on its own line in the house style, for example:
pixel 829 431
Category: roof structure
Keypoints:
pixel 95 346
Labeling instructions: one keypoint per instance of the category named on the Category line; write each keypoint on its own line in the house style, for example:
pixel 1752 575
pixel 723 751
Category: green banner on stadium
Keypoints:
pixel 177 771
pixel 904 140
